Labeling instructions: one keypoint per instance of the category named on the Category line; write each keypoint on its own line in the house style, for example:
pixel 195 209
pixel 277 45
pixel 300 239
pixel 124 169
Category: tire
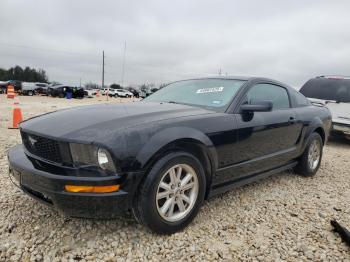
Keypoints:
pixel 146 207
pixel 30 93
pixel 306 166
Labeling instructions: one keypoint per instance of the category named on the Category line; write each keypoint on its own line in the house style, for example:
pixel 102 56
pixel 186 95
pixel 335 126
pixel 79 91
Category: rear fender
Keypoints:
pixel 314 125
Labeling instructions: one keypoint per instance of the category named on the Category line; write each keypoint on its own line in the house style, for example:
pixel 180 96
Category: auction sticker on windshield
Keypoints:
pixel 210 90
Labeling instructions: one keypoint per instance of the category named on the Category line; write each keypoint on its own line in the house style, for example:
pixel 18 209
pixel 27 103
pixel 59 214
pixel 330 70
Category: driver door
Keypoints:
pixel 266 140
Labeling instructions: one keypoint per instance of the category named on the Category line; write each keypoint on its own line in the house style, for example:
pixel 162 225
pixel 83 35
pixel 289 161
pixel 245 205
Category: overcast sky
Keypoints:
pixel 290 41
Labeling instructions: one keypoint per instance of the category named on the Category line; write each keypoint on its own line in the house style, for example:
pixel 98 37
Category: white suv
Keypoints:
pixel 109 91
pixel 334 92
pixel 123 93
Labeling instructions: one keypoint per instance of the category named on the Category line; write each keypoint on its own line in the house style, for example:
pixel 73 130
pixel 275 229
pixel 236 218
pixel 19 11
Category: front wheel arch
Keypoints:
pixel 191 146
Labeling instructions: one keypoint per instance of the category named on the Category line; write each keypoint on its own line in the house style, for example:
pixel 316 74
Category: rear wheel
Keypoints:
pixel 171 194
pixel 310 160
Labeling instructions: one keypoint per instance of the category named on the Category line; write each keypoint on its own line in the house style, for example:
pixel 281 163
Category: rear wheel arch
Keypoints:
pixel 315 126
pixel 321 132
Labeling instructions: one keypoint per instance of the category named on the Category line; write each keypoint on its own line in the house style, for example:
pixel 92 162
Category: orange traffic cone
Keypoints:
pixel 17 117
pixel 10 91
pixel 97 93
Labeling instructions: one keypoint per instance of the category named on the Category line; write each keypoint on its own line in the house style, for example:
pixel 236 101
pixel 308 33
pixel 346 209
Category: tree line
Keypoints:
pixel 26 75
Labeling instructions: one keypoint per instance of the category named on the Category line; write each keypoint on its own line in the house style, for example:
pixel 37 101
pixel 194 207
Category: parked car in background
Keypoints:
pixel 57 90
pixel 77 92
pixel 3 87
pixel 123 93
pixel 134 92
pixel 89 93
pixel 142 94
pixel 62 90
pixel 334 92
pixel 31 89
pixel 110 91
pixel 163 156
pixel 41 88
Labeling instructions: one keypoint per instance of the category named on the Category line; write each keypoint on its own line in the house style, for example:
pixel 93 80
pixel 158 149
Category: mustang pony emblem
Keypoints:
pixel 32 140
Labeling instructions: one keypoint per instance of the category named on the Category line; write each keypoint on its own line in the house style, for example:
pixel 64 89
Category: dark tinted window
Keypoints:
pixel 278 95
pixel 327 89
pixel 300 100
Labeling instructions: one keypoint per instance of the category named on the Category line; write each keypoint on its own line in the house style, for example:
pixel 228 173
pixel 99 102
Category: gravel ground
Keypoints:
pixel 285 217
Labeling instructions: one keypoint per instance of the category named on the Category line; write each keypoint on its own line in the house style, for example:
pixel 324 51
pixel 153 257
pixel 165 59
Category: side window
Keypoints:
pixel 276 94
pixel 300 99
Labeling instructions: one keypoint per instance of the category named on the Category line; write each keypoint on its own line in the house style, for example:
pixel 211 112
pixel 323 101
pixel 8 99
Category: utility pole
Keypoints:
pixel 123 67
pixel 103 68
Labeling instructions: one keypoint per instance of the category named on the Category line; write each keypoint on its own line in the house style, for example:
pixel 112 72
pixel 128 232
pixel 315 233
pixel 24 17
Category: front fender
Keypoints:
pixel 169 135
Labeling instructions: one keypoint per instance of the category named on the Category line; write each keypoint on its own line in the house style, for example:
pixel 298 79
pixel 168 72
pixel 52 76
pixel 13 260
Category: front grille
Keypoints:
pixel 46 148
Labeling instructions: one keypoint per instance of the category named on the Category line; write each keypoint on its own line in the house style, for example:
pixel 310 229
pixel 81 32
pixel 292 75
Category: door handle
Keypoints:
pixel 291 120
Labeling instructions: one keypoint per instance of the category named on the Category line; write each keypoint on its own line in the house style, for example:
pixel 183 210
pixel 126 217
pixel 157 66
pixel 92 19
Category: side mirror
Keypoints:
pixel 257 106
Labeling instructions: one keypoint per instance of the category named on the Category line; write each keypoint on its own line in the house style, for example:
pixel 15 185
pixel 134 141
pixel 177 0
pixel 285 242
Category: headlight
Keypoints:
pixel 105 160
pixel 83 154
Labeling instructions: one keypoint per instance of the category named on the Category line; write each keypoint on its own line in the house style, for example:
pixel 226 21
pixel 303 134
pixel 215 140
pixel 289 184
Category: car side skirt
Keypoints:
pixel 222 188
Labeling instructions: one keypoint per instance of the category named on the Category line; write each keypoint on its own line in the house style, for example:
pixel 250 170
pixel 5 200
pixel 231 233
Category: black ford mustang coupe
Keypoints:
pixel 163 156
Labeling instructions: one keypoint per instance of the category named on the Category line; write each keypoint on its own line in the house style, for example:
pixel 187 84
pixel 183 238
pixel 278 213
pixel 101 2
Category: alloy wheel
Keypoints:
pixel 177 192
pixel 314 154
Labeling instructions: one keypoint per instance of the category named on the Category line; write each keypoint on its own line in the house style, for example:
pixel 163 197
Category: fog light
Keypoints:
pixel 92 189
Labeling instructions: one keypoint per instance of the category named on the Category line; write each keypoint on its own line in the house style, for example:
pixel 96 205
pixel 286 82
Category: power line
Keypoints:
pixel 103 68
pixel 123 67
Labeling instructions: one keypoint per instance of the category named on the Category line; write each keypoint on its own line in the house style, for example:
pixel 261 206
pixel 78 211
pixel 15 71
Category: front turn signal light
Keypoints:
pixel 91 189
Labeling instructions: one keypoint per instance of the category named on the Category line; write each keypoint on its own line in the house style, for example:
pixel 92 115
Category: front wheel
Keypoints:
pixel 171 194
pixel 310 160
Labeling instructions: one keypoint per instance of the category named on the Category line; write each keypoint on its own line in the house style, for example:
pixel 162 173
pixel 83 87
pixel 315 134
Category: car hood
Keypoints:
pixel 340 111
pixel 89 123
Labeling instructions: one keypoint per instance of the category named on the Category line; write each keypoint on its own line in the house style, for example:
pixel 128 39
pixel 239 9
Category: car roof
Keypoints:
pixel 243 78
pixel 334 77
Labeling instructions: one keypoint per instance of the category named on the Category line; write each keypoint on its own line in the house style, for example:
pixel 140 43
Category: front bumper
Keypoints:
pixel 48 188
pixel 341 128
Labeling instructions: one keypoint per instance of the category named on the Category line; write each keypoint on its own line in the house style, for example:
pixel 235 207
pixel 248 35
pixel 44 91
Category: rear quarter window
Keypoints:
pixel 300 100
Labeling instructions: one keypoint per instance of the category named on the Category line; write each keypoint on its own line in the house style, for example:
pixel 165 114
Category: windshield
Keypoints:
pixel 327 89
pixel 214 93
